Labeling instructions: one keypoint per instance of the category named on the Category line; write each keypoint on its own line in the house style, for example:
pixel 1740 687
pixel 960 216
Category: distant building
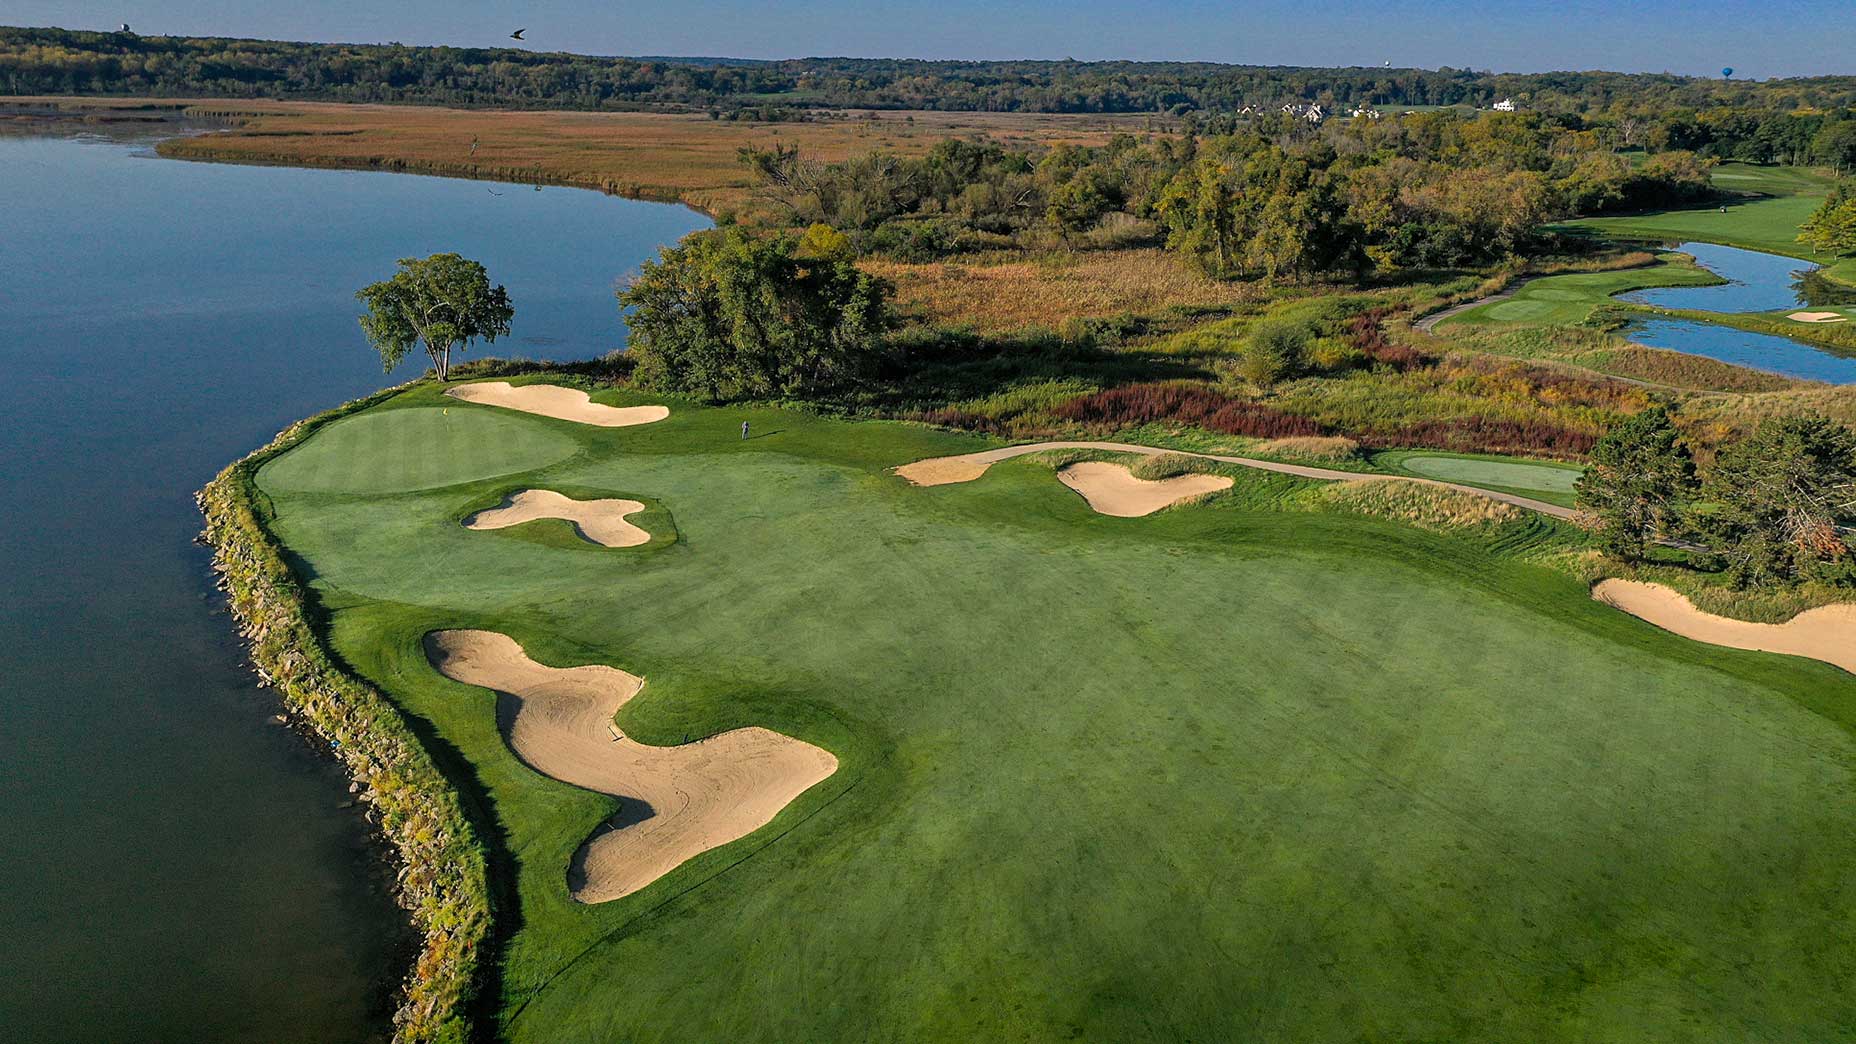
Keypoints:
pixel 1505 105
pixel 1311 112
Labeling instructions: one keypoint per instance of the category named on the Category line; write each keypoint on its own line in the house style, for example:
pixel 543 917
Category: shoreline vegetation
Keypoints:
pixel 443 879
pixel 657 157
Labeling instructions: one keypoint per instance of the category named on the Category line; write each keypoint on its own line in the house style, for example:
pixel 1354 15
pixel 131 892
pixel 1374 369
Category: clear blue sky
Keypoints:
pixel 1758 38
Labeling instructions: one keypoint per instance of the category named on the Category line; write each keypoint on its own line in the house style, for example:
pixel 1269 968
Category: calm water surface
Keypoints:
pixel 1756 283
pixel 176 867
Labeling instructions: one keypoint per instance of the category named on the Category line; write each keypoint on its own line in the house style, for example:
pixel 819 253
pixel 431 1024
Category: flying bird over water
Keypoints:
pixel 517 35
pixel 493 192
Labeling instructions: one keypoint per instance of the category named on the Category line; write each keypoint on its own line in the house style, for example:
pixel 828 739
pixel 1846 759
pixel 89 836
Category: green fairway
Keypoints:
pixel 1567 300
pixel 395 450
pixel 1221 773
pixel 1769 223
pixel 1547 481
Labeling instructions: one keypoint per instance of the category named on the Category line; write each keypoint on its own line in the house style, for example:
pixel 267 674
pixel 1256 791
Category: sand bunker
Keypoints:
pixel 942 471
pixel 1114 490
pixel 1827 633
pixel 675 802
pixel 552 400
pixel 1816 317
pixel 599 521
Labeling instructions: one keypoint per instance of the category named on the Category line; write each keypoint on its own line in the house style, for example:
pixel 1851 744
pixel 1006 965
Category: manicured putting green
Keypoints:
pixel 420 448
pixel 1504 474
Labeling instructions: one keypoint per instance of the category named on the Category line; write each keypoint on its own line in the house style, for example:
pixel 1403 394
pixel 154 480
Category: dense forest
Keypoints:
pixel 1279 197
pixel 56 61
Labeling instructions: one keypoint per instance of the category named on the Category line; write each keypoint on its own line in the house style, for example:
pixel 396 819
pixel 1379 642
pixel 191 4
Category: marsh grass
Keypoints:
pixel 1015 292
pixel 1312 449
pixel 1426 507
pixel 673 157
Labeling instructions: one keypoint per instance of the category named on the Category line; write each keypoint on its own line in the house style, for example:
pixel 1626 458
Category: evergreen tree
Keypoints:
pixel 1638 480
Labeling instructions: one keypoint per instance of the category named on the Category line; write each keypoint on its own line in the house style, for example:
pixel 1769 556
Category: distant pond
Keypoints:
pixel 1757 282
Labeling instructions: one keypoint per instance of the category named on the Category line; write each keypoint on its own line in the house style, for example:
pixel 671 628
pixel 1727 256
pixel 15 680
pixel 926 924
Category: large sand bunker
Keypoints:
pixel 1827 633
pixel 1112 489
pixel 942 471
pixel 599 521
pixel 675 802
pixel 1816 317
pixel 552 400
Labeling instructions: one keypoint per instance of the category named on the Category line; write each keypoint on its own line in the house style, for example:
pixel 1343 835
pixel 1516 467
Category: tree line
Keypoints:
pixel 1274 198
pixel 1774 508
pixel 58 61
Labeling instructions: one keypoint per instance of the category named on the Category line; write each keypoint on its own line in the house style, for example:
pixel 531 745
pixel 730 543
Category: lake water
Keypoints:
pixel 1757 282
pixel 176 867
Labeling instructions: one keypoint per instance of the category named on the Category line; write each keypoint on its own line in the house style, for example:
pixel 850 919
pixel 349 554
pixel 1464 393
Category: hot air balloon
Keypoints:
pixel 1727 71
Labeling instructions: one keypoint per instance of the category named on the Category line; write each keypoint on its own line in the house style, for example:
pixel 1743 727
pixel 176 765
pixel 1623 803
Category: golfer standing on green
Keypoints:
pixel 744 431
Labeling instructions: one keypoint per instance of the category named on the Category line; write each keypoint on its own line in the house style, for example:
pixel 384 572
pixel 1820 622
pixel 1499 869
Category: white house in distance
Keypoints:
pixel 1505 105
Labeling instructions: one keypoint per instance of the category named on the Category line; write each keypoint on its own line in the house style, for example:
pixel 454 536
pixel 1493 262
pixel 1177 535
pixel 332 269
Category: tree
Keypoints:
pixel 1833 226
pixel 441 302
pixel 1638 480
pixel 1254 208
pixel 728 315
pixel 1784 502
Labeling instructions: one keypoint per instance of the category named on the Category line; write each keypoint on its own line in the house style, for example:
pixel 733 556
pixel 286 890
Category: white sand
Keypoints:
pixel 675 802
pixel 941 471
pixel 599 521
pixel 1816 317
pixel 1112 489
pixel 1827 633
pixel 552 400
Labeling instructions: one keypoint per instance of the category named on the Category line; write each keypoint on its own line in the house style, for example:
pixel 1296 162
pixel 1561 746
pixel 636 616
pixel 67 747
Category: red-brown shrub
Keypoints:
pixel 1186 404
pixel 1366 333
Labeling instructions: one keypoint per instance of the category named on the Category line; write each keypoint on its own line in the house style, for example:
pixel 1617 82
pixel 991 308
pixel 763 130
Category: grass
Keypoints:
pixel 684 158
pixel 1768 221
pixel 393 450
pixel 1221 772
pixel 1542 480
pixel 1006 294
pixel 1569 300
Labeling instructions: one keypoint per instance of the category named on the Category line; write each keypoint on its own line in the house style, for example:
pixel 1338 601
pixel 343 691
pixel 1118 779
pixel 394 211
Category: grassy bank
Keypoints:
pixel 1569 300
pixel 1774 201
pixel 443 880
pixel 1251 767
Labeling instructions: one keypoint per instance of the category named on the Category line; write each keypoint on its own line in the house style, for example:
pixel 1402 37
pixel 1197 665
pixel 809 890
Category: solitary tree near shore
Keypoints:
pixel 440 303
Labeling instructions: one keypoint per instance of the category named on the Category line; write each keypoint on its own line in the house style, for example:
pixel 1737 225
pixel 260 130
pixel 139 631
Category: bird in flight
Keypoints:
pixel 493 192
pixel 517 35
